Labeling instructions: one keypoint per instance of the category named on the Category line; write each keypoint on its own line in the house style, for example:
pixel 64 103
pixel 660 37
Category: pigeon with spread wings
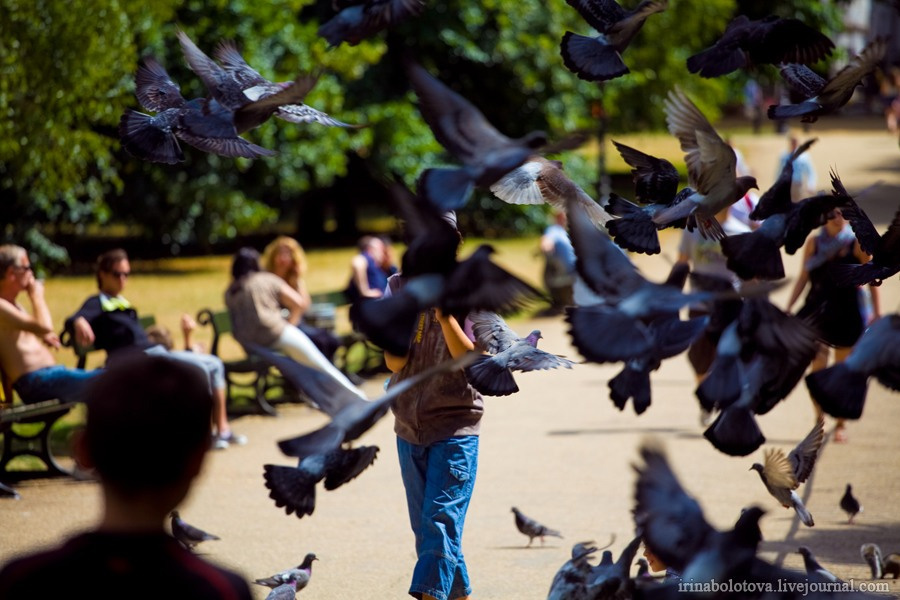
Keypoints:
pixel 358 20
pixel 826 96
pixel 600 58
pixel 711 164
pixel 782 475
pixel 772 40
pixel 491 374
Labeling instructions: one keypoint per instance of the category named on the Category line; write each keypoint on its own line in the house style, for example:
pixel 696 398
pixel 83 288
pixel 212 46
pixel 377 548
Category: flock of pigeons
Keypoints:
pixel 761 354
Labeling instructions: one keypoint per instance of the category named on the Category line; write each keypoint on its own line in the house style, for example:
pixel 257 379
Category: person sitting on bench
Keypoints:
pixel 109 322
pixel 26 338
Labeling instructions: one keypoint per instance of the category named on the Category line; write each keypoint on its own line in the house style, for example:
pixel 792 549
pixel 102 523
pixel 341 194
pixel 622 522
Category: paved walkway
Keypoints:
pixel 558 450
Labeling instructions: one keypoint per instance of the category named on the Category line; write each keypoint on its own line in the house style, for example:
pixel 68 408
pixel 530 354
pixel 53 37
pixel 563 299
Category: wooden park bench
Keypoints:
pixel 31 439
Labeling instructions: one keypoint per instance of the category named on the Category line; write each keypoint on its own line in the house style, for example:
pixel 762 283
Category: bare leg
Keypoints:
pixel 219 415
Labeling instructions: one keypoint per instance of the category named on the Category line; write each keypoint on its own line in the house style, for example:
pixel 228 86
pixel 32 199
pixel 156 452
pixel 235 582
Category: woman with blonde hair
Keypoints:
pixel 284 256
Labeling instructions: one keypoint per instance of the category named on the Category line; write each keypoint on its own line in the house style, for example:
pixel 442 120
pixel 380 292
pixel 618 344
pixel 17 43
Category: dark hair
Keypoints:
pixel 108 259
pixel 147 417
pixel 245 261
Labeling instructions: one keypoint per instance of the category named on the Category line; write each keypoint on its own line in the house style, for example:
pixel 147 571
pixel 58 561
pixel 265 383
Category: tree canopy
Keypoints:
pixel 66 76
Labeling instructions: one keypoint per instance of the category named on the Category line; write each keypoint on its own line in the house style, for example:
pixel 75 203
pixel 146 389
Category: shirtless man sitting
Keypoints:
pixel 26 338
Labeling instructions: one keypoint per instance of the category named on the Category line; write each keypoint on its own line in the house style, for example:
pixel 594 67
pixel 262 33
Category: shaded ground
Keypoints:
pixel 558 450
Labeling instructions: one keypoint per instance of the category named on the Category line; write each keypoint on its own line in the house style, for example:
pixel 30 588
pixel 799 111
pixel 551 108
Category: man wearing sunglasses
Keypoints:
pixel 26 338
pixel 109 322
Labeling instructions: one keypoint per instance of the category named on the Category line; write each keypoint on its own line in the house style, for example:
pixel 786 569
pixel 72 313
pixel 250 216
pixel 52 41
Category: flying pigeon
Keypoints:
pixel 227 91
pixel 656 188
pixel 610 579
pixel 616 330
pixel 824 97
pixel 777 198
pixel 841 388
pixel 757 254
pixel 849 504
pixel 299 575
pixel 540 181
pixel 463 130
pixel 202 123
pixel 783 475
pixel 294 488
pixel 816 572
pixel 358 20
pixel 492 374
pixel 188 535
pixel 532 528
pixel 711 164
pixel 772 40
pixel 884 249
pixel 255 87
pixel 433 277
pixel 676 531
pixel 357 416
pixel 600 58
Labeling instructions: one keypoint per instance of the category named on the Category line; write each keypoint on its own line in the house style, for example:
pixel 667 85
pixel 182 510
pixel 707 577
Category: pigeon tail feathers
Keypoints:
pixel 291 489
pixel 735 432
pixel 590 58
pixel 839 391
pixel 752 255
pixel 489 378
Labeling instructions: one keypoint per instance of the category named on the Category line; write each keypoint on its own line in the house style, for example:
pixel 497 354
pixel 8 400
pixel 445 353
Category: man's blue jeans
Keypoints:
pixel 439 479
pixel 54 382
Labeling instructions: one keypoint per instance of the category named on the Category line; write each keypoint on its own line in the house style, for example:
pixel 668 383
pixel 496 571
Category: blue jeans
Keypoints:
pixel 439 479
pixel 54 382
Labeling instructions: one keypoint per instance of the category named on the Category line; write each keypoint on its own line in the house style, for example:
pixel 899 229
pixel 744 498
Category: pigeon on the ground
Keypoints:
pixel 284 591
pixel 772 40
pixel 357 416
pixel 186 534
pixel 294 488
pixel 532 528
pixel 816 572
pixel 600 58
pixel 758 254
pixel 361 19
pixel 433 277
pixel 711 164
pixel 884 248
pixel 841 388
pixel 824 97
pixel 227 91
pixel 463 131
pixel 202 123
pixel 656 188
pixel 849 504
pixel 255 87
pixel 881 566
pixel 491 374
pixel 300 575
pixel 782 475
pixel 675 530
pixel 540 181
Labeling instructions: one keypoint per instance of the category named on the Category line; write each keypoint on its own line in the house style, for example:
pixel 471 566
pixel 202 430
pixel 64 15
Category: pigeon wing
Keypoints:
pixel 655 179
pixel 154 89
pixel 227 54
pixel 491 331
pixel 788 41
pixel 520 186
pixel 802 80
pixel 599 14
pixel 778 470
pixel 219 83
pixel 861 65
pixel 803 456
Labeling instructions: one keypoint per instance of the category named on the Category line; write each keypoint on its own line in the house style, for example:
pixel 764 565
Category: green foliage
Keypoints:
pixel 66 76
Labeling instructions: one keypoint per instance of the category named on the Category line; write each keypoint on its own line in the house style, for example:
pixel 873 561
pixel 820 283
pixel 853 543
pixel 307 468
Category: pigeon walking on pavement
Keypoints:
pixel 881 566
pixel 299 575
pixel 188 535
pixel 711 165
pixel 772 40
pixel 600 58
pixel 358 20
pixel 782 475
pixel 491 374
pixel 815 571
pixel 532 528
pixel 849 504
pixel 826 96
pixel 284 591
